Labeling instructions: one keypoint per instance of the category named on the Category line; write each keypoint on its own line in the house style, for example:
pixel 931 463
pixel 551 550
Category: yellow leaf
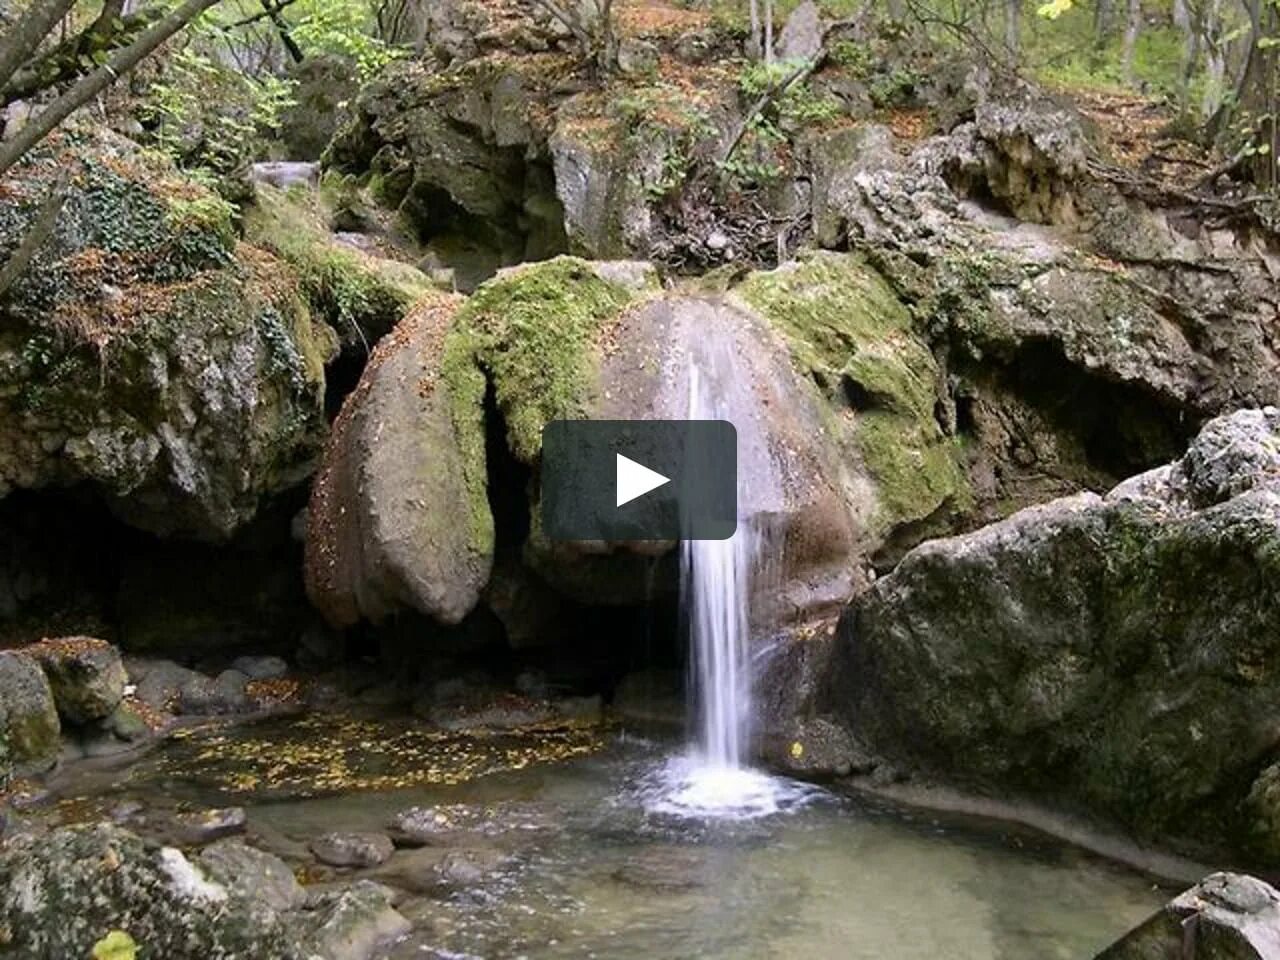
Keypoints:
pixel 116 945
pixel 1053 9
pixel 797 750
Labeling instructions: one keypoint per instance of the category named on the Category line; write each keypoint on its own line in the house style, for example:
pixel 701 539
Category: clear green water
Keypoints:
pixel 591 871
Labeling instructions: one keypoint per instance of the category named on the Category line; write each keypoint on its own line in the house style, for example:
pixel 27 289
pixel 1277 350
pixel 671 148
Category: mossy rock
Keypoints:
pixel 361 295
pixel 533 331
pixel 147 351
pixel 851 335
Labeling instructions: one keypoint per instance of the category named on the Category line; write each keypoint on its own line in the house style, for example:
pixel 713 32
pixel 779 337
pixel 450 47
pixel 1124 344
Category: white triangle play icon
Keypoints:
pixel 635 480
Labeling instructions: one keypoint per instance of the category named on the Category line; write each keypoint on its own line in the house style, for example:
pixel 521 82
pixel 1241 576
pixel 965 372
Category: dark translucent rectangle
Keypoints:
pixel 579 478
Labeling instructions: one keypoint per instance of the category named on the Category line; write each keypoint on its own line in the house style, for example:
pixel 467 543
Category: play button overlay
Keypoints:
pixel 633 479
pixel 639 480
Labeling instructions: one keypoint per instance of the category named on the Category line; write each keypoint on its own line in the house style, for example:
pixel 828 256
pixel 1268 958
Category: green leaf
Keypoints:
pixel 116 945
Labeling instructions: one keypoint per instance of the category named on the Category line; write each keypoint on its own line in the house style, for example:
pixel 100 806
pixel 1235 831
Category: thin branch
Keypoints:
pixel 775 91
pixel 68 58
pixel 95 83
pixel 45 221
pixel 24 38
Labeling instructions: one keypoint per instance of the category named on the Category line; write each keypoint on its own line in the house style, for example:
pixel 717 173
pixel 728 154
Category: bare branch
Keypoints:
pixel 45 221
pixel 94 83
pixel 23 40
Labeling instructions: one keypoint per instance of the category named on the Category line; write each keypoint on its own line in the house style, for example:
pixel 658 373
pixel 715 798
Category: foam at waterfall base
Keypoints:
pixel 688 786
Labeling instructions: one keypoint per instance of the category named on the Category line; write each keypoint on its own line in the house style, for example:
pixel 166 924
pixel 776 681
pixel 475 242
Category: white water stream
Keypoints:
pixel 717 583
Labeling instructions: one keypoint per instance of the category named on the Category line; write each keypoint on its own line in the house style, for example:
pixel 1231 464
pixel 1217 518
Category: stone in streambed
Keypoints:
pixel 1226 916
pixel 205 696
pixel 1118 653
pixel 253 873
pixel 261 668
pixel 355 922
pixel 352 849
pixel 28 717
pixel 86 675
pixel 203 826
pixel 61 892
pixel 162 681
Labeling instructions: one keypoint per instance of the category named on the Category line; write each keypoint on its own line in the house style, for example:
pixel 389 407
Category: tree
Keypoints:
pixel 91 84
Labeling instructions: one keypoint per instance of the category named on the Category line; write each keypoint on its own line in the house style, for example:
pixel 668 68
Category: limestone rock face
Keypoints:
pixel 147 353
pixel 1226 916
pixel 398 516
pixel 1114 652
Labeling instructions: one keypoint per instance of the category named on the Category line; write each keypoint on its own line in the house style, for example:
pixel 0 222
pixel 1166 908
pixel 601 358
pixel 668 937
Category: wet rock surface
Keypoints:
pixel 352 849
pixel 1089 647
pixel 1226 916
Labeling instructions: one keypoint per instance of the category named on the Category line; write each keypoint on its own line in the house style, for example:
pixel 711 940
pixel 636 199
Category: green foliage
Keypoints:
pixel 343 27
pixel 205 113
pixel 758 159
pixel 663 113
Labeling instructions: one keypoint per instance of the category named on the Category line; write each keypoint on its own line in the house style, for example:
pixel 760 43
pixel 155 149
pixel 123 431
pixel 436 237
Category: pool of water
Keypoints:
pixel 590 856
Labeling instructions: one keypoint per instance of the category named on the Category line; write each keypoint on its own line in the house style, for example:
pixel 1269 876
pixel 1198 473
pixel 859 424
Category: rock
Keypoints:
pixel 261 668
pixel 636 56
pixel 423 827
pixel 664 869
pixel 1114 653
pixel 399 515
pixel 355 922
pixel 361 293
pixel 86 675
pixel 466 869
pixel 352 849
pixel 128 723
pixel 253 874
pixel 204 826
pixel 163 682
pixel 28 715
pixel 324 86
pixel 286 174
pixel 61 892
pixel 1226 916
pixel 801 37
pixel 145 266
pixel 206 696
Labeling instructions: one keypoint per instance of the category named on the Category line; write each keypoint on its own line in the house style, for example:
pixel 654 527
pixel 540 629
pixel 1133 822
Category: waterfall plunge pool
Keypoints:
pixel 584 853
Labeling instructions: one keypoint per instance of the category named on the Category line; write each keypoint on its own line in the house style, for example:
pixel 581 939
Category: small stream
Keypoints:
pixel 577 857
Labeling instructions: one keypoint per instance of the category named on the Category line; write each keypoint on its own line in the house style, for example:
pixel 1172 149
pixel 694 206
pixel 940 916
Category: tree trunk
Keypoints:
pixel 1013 27
pixel 768 33
pixel 1103 15
pixel 1132 27
pixel 94 83
pixel 26 36
pixel 757 38
pixel 1215 59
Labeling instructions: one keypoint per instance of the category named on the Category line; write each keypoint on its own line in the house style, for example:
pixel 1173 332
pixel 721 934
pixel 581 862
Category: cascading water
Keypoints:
pixel 718 579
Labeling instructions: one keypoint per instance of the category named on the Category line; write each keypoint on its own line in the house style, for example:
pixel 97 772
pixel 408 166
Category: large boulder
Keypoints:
pixel 360 293
pixel 63 892
pixel 29 725
pixel 1226 916
pixel 1117 653
pixel 86 674
pixel 821 370
pixel 148 353
pixel 398 514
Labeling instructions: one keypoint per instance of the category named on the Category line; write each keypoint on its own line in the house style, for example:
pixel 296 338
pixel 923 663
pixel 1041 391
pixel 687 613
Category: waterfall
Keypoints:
pixel 719 579
pixel 715 579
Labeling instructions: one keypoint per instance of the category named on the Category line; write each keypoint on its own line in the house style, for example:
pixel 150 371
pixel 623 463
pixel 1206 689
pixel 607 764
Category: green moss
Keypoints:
pixel 361 297
pixel 533 330
pixel 848 331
